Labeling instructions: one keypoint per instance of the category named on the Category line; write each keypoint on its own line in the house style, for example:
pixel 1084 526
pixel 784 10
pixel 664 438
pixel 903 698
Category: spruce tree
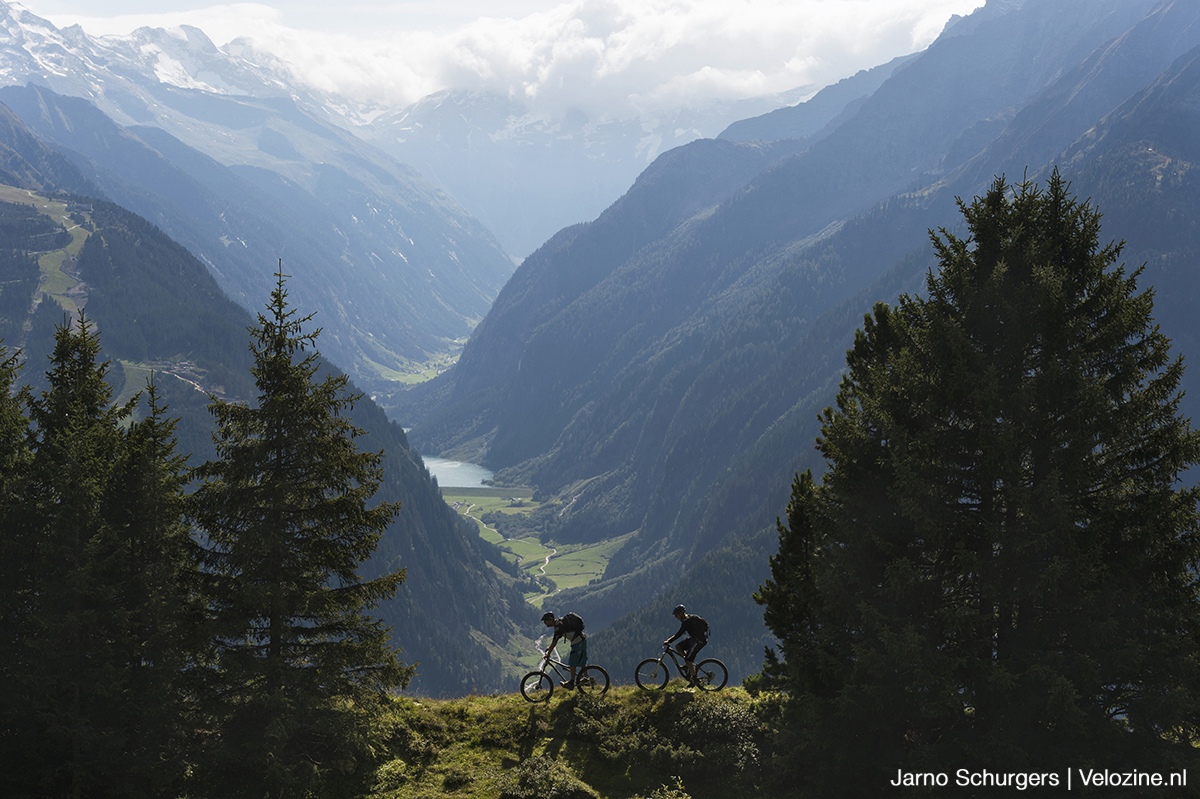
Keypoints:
pixel 16 567
pixel 300 669
pixel 998 568
pixel 100 618
pixel 154 571
pixel 72 676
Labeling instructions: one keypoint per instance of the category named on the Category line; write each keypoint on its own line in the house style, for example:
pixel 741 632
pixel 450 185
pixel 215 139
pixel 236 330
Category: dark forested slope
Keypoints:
pixel 159 310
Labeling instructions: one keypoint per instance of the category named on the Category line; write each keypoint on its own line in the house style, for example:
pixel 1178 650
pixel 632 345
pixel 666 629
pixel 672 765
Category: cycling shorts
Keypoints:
pixel 690 646
pixel 578 655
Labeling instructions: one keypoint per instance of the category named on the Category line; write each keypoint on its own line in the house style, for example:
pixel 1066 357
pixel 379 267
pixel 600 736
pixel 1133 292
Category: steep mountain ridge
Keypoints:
pixel 28 164
pixel 909 125
pixel 394 267
pixel 527 174
pixel 676 187
pixel 680 392
pixel 1042 129
pixel 763 223
pixel 820 113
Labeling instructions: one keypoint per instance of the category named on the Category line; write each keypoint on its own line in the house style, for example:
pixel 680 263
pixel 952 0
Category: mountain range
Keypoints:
pixel 655 373
pixel 219 154
pixel 660 369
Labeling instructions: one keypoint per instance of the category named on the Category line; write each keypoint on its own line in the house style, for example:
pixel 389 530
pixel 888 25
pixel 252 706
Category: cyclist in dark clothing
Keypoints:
pixel 696 630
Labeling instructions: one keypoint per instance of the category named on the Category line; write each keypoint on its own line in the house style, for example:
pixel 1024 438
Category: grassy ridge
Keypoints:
pixel 627 744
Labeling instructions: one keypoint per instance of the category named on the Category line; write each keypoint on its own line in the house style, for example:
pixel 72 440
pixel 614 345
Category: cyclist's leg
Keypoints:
pixel 577 657
pixel 694 645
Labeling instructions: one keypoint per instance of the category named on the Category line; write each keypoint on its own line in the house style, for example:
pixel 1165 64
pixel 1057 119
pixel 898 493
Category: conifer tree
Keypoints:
pixel 65 664
pixel 155 574
pixel 16 569
pixel 98 614
pixel 300 668
pixel 72 664
pixel 998 569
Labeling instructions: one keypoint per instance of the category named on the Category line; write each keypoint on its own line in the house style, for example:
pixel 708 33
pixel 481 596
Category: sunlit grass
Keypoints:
pixel 578 566
pixel 568 565
pixel 410 372
pixel 54 282
pixel 627 744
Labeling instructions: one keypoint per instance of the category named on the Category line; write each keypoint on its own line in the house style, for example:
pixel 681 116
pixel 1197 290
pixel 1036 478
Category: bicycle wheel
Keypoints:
pixel 711 675
pixel 592 680
pixel 651 674
pixel 536 686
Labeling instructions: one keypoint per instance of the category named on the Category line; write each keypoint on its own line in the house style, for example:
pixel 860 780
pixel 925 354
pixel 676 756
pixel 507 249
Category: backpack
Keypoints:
pixel 572 622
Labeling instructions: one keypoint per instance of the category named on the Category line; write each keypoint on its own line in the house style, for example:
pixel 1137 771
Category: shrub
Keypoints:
pixel 543 777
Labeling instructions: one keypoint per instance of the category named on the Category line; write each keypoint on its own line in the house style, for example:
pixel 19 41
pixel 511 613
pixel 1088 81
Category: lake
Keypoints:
pixel 457 474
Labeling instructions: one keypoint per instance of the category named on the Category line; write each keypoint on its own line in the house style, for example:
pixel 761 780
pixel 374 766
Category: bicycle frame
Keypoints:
pixel 538 685
pixel 654 673
pixel 679 667
pixel 554 664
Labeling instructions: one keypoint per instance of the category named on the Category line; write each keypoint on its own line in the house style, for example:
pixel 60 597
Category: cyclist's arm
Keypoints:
pixel 676 635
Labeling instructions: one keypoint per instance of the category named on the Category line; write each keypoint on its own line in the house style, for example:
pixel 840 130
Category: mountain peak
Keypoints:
pixel 189 37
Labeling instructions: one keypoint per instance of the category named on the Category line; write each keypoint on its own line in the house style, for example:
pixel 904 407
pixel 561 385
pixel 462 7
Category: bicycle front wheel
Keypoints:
pixel 536 686
pixel 592 681
pixel 651 675
pixel 711 675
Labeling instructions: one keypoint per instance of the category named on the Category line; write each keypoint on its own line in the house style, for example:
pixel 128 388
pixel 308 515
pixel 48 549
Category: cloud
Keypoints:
pixel 606 57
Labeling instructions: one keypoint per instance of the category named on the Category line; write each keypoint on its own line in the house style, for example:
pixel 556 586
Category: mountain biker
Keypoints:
pixel 569 627
pixel 696 629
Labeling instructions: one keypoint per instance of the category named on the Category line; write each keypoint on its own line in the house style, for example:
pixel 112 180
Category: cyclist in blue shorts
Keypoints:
pixel 569 627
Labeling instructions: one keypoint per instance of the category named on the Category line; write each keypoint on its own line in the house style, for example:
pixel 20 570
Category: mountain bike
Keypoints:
pixel 537 686
pixel 653 673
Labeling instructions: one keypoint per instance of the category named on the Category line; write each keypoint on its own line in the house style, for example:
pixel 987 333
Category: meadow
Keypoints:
pixel 551 565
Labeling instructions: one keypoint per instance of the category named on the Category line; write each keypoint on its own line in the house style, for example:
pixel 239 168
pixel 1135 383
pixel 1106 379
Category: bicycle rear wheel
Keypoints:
pixel 711 675
pixel 651 675
pixel 536 686
pixel 592 680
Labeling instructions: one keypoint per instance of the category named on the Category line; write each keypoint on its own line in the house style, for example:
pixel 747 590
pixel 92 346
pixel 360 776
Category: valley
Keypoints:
pixel 545 567
pixel 410 373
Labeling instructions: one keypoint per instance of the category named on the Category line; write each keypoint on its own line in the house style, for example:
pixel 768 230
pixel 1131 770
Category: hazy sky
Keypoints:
pixel 604 56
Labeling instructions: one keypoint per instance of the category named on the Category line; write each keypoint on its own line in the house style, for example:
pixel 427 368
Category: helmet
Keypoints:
pixel 678 609
pixel 547 616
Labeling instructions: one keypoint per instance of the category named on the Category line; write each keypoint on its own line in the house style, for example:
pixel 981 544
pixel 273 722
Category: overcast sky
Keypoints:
pixel 604 56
